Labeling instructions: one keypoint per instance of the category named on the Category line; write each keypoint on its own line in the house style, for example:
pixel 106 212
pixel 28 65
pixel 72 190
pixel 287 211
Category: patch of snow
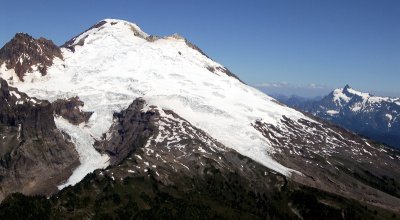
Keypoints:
pixel 7 74
pixel 365 96
pixel 366 142
pixel 339 96
pixel 365 151
pixel 332 112
pixel 19 132
pixel 377 99
pixel 357 107
pixel 18 96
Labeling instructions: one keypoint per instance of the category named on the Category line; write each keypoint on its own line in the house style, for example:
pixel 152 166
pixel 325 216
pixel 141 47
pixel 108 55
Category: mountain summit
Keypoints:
pixel 159 109
pixel 25 54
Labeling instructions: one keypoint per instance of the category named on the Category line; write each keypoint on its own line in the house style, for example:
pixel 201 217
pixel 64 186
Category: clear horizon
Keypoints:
pixel 304 48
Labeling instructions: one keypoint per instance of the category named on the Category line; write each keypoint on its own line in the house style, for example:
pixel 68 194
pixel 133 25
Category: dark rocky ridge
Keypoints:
pixel 24 51
pixel 131 128
pixel 70 110
pixel 34 155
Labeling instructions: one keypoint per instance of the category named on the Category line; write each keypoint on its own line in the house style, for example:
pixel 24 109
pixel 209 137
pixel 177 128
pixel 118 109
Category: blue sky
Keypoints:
pixel 300 46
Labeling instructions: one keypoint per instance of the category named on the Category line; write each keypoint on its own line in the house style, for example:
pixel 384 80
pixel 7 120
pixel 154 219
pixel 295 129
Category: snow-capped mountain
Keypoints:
pixel 372 116
pixel 166 73
pixel 134 103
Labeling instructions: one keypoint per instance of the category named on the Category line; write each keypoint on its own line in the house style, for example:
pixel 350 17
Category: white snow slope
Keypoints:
pixel 90 159
pixel 116 66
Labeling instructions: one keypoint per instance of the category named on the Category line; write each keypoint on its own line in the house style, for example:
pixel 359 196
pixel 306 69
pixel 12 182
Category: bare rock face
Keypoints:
pixel 24 52
pixel 132 127
pixel 70 110
pixel 34 155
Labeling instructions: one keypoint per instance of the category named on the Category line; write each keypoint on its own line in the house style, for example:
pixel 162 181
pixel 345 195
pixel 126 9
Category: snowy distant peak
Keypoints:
pixel 375 117
pixel 347 94
pixel 351 92
pixel 347 86
pixel 347 101
pixel 24 54
pixel 347 90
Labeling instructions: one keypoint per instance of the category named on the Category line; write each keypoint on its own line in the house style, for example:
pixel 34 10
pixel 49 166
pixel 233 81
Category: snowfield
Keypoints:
pixel 117 65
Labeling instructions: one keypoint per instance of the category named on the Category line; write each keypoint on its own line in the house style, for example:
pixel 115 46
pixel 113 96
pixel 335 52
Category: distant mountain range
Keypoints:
pixel 372 116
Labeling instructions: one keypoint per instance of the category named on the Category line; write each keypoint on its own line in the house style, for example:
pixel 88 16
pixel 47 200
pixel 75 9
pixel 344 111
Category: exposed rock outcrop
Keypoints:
pixel 34 155
pixel 131 129
pixel 70 110
pixel 25 54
